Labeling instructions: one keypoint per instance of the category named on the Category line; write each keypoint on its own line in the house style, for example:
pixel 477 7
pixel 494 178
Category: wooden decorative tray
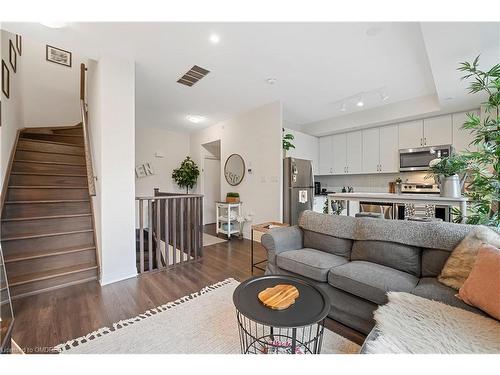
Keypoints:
pixel 279 297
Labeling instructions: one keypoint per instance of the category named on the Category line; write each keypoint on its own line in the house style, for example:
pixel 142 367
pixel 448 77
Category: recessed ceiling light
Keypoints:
pixel 384 96
pixel 271 81
pixel 54 24
pixel 195 119
pixel 360 102
pixel 449 98
pixel 214 38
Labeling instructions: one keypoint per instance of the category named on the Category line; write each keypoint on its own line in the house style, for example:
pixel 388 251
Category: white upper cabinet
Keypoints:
pixel 438 131
pixel 389 155
pixel 325 155
pixel 411 134
pixel 462 137
pixel 371 150
pixel 339 154
pixel 354 155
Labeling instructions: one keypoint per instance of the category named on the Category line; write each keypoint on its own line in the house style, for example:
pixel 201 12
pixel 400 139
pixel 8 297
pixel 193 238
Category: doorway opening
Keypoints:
pixel 211 170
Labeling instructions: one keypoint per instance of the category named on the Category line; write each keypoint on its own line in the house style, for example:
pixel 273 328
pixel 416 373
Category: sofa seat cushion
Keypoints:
pixel 431 288
pixel 370 281
pixel 311 263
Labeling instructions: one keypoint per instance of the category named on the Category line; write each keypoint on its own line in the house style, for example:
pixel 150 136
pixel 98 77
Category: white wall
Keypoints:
pixel 112 127
pixel 306 147
pixel 12 108
pixel 256 136
pixel 51 91
pixel 174 146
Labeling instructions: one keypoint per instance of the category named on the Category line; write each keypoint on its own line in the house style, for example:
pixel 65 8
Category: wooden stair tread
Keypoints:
pixel 56 134
pixel 38 276
pixel 52 142
pixel 45 217
pixel 47 253
pixel 48 162
pixel 49 201
pixel 38 235
pixel 49 174
pixel 49 152
pixel 47 187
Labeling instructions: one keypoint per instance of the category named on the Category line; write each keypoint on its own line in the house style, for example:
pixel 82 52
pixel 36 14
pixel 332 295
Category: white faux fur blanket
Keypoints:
pixel 416 325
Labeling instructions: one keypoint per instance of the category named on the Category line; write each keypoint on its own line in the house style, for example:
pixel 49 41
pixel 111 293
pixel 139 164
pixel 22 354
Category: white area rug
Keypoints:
pixel 208 240
pixel 203 322
pixel 415 325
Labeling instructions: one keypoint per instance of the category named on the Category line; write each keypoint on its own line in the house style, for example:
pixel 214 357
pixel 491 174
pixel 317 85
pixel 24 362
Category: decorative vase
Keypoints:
pixel 451 186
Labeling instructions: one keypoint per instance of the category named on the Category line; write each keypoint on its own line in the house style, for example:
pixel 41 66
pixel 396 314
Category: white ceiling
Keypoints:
pixel 315 64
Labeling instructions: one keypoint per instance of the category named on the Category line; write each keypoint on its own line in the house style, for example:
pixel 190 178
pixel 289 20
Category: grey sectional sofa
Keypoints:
pixel 356 261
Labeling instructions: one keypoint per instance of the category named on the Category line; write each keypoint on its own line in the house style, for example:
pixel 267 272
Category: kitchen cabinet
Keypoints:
pixel 354 153
pixel 434 131
pixel 389 151
pixel 462 137
pixel 380 150
pixel 437 131
pixel 371 150
pixel 339 154
pixel 411 134
pixel 326 155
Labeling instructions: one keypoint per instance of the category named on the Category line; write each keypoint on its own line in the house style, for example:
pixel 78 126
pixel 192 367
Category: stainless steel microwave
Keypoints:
pixel 417 159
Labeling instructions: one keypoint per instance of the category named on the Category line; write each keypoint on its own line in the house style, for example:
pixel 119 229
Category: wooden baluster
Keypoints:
pixel 158 233
pixel 201 225
pixel 189 229
pixel 141 235
pixel 181 216
pixel 167 245
pixel 174 230
pixel 150 234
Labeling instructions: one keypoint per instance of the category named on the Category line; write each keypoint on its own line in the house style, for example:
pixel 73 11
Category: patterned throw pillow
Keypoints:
pixel 460 262
pixel 482 287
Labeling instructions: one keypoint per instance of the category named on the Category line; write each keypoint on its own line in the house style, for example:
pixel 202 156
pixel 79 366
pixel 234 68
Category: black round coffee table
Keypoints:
pixel 295 330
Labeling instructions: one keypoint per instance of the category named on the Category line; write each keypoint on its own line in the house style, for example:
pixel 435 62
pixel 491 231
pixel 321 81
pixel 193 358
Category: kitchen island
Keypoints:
pixel 401 198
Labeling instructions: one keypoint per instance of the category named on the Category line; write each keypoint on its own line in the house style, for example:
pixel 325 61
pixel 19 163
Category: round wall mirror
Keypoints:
pixel 234 169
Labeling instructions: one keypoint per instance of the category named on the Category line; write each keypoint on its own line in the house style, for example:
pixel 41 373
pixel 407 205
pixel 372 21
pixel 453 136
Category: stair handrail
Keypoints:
pixel 86 137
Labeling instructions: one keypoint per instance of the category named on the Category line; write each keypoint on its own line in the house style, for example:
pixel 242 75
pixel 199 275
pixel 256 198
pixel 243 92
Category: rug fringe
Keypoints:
pixel 68 345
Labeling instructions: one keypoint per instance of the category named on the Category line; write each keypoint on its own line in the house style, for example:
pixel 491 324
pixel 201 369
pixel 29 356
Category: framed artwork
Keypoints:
pixel 5 79
pixel 58 56
pixel 12 56
pixel 19 44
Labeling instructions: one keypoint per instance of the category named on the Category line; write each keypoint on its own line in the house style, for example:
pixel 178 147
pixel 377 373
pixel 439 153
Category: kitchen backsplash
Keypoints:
pixel 376 183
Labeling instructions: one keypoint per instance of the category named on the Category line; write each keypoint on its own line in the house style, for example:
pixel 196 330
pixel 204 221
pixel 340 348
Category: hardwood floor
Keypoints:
pixel 48 319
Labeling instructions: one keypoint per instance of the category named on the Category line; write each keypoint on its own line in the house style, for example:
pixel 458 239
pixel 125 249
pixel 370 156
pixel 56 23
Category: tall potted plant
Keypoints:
pixel 187 174
pixel 446 172
pixel 484 162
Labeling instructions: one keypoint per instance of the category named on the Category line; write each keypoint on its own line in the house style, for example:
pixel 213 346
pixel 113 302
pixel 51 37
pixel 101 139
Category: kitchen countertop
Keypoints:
pixel 396 198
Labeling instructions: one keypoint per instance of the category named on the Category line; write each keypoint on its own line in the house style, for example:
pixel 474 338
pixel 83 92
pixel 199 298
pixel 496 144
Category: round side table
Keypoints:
pixel 295 330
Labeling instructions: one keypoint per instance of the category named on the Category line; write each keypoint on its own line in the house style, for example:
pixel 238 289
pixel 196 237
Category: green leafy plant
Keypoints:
pixel 484 162
pixel 287 138
pixel 233 195
pixel 448 166
pixel 187 174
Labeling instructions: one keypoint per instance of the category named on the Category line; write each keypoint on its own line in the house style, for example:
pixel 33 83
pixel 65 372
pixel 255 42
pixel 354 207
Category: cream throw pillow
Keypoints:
pixel 460 262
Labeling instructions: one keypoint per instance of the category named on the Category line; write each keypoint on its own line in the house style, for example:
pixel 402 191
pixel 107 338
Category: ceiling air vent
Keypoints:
pixel 193 75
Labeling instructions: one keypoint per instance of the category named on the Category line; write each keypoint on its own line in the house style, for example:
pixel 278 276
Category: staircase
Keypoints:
pixel 47 229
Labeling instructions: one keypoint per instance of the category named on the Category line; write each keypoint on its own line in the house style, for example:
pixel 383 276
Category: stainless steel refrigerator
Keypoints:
pixel 298 188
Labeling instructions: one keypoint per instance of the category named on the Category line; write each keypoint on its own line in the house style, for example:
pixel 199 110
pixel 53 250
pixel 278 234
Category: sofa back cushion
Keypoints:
pixel 329 244
pixel 433 261
pixel 401 257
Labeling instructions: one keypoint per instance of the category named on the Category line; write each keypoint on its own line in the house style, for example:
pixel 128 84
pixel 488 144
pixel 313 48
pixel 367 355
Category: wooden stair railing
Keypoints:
pixel 86 136
pixel 173 219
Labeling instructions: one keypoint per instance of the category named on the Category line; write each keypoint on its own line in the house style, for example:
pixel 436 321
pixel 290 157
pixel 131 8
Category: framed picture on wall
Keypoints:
pixel 19 44
pixel 12 56
pixel 58 56
pixel 5 79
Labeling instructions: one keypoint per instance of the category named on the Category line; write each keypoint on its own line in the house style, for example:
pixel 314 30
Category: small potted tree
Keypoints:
pixel 187 174
pixel 287 144
pixel 446 173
